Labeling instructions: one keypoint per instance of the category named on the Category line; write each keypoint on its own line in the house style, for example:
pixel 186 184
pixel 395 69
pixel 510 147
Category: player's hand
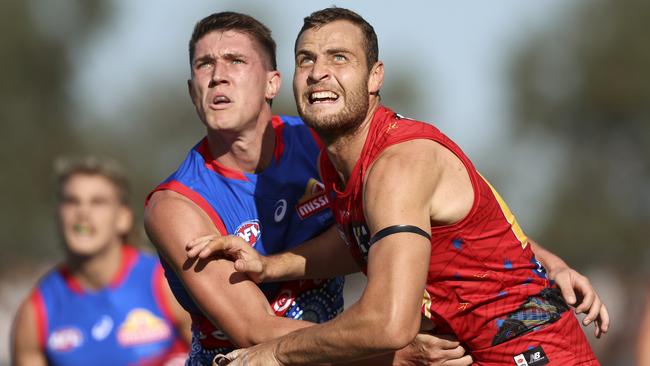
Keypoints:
pixel 435 350
pixel 578 292
pixel 261 355
pixel 245 258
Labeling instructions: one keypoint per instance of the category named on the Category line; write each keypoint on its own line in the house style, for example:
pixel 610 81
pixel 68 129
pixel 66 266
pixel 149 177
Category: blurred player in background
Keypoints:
pixel 254 176
pixel 107 303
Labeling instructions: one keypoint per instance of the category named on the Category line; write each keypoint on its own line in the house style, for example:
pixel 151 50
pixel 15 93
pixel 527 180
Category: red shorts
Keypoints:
pixel 562 343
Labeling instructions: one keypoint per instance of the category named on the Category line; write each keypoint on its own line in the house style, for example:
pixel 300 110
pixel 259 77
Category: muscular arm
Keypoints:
pixel 321 257
pixel 181 318
pixel 25 348
pixel 397 271
pixel 226 297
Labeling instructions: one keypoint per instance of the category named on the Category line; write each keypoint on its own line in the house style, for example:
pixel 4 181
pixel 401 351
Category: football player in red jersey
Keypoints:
pixel 435 239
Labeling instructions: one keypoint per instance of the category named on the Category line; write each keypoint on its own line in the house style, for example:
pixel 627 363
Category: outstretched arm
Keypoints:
pixel 172 220
pixel 323 256
pixel 576 289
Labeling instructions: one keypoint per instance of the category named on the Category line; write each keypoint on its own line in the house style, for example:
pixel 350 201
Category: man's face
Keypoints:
pixel 330 82
pixel 91 216
pixel 230 80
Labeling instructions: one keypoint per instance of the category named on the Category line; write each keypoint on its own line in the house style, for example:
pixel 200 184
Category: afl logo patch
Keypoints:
pixel 249 231
pixel 65 339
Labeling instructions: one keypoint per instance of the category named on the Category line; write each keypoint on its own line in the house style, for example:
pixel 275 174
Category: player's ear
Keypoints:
pixel 190 89
pixel 376 78
pixel 274 81
pixel 124 220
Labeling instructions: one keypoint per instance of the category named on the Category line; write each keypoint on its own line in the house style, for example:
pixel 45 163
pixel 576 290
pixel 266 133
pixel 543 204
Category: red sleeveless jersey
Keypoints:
pixel 481 269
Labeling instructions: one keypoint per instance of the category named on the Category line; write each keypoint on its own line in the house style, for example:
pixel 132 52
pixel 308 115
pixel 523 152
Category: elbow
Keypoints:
pixel 394 331
pixel 398 335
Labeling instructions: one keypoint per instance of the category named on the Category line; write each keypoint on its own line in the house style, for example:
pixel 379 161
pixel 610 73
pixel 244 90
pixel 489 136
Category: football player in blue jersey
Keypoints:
pixel 254 175
pixel 107 302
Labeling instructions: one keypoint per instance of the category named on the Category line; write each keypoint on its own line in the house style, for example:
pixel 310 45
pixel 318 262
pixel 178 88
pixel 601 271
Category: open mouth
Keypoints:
pixel 323 97
pixel 220 100
pixel 83 229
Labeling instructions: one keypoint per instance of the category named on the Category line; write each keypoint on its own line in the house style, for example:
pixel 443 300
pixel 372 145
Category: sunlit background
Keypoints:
pixel 550 98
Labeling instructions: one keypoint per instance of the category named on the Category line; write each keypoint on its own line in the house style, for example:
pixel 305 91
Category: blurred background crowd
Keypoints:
pixel 551 99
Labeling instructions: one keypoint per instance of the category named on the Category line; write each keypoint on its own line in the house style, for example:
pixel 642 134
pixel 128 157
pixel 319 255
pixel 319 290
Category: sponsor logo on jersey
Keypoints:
pixel 219 334
pixel 65 339
pixel 249 231
pixel 102 328
pixel 280 210
pixel 283 301
pixel 314 199
pixel 142 327
pixel 532 357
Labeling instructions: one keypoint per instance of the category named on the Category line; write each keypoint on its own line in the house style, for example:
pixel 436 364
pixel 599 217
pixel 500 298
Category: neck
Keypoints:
pixel 344 150
pixel 248 150
pixel 97 271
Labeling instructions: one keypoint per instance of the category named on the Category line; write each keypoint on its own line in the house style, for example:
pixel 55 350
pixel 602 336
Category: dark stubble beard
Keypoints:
pixel 333 126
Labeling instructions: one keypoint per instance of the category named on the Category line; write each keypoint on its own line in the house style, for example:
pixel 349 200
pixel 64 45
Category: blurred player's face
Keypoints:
pixel 230 82
pixel 91 216
pixel 331 79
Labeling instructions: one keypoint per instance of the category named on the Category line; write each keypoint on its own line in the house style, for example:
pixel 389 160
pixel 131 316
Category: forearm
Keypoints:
pixel 549 260
pixel 351 336
pixel 324 256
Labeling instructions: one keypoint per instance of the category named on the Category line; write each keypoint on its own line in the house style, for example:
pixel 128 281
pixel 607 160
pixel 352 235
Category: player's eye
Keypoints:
pixel 304 61
pixel 339 58
pixel 203 65
pixel 237 61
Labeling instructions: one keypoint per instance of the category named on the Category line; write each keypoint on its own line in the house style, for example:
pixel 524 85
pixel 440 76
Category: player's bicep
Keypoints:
pixel 398 263
pixel 26 349
pixel 227 297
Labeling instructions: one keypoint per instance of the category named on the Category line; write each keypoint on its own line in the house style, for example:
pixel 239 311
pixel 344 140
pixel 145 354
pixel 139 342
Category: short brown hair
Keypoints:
pixel 66 167
pixel 243 23
pixel 328 15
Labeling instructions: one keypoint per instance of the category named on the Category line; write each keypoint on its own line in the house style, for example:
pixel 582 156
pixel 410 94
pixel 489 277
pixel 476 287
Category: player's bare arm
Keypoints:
pixel 181 318
pixel 576 289
pixel 397 271
pixel 323 256
pixel 171 220
pixel 25 347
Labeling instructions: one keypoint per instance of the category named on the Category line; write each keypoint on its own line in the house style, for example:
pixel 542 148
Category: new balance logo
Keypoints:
pixel 532 357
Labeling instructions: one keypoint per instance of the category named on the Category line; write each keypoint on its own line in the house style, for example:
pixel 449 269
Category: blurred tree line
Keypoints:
pixel 39 121
pixel 585 86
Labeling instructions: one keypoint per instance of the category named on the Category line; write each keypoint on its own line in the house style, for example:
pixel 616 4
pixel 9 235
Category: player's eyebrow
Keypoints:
pixel 303 52
pixel 333 51
pixel 228 56
pixel 203 58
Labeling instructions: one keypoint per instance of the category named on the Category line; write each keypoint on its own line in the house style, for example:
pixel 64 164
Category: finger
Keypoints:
pixel 463 361
pixel 589 296
pixel 195 250
pixel 593 311
pixel 220 360
pixel 221 244
pixel 198 241
pixel 232 356
pixel 248 266
pixel 602 322
pixel 567 289
pixel 440 341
